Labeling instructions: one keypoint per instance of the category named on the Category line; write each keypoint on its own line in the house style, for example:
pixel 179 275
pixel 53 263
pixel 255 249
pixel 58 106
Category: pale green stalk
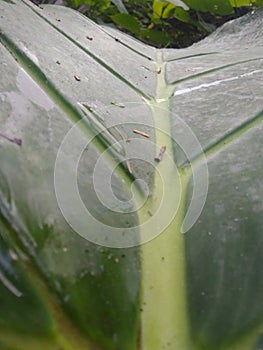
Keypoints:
pixel 164 321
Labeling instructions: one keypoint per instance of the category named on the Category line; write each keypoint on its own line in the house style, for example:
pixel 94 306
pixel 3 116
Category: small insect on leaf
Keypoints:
pixel 77 77
pixel 160 155
pixel 89 37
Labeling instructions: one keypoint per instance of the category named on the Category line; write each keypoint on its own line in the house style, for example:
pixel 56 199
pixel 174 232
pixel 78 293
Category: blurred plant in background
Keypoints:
pixel 161 23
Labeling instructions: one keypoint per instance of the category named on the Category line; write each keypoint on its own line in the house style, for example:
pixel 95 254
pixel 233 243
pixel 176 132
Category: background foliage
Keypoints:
pixel 161 23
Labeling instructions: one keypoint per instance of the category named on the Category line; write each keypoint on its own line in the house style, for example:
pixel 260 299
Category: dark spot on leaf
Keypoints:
pixel 17 141
pixel 57 62
pixel 11 139
pixel 160 155
pixel 89 37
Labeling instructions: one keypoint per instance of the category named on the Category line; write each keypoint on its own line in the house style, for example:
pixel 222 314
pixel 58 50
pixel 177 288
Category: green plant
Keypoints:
pixel 72 110
pixel 164 23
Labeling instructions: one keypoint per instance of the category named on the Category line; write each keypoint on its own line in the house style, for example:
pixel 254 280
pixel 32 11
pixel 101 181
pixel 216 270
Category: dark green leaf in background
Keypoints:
pixel 127 21
pixel 221 7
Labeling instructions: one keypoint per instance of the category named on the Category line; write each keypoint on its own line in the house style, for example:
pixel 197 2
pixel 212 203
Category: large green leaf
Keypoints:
pixel 117 271
pixel 222 7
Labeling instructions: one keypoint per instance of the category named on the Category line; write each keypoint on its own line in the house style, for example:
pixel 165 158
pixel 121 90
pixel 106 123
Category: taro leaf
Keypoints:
pixel 126 21
pixel 221 7
pixel 239 3
pixel 74 92
pixel 164 9
pixel 30 318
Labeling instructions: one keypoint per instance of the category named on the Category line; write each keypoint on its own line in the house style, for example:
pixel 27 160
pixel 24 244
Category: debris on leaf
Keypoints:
pixel 147 68
pixel 158 70
pixel 128 166
pixel 77 77
pixel 160 155
pixel 141 133
pixel 118 104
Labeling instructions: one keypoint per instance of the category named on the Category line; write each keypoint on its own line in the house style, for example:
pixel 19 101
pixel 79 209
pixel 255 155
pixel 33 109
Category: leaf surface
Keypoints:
pixel 74 92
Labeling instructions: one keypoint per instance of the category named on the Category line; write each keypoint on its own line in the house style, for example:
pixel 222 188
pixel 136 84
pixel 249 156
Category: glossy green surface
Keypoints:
pixel 195 291
pixel 29 316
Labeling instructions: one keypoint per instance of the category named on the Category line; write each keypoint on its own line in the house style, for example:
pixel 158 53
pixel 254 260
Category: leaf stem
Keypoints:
pixel 164 320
